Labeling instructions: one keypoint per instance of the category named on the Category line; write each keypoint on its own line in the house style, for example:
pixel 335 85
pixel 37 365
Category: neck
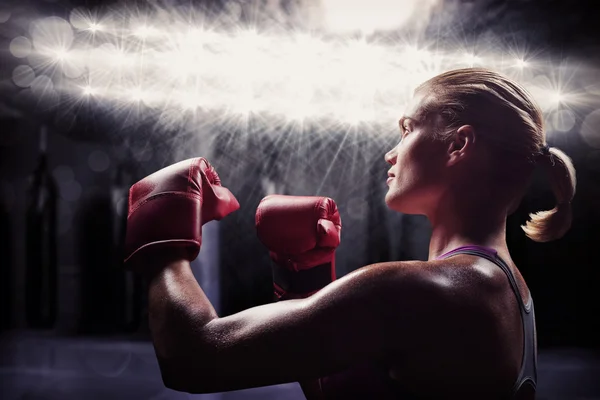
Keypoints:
pixel 459 221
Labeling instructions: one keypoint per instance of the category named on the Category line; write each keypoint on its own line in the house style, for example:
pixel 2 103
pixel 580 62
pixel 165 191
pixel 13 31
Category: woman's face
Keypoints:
pixel 416 176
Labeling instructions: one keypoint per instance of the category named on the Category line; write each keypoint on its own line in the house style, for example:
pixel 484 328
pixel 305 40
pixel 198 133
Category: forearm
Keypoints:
pixel 178 312
pixel 311 283
pixel 166 212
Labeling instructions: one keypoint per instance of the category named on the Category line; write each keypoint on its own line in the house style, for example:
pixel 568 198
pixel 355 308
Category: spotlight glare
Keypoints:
pixel 190 101
pixel 138 95
pixel 61 55
pixel 89 91
pixel 120 59
pixel 521 63
pixel 143 32
pixel 472 59
pixel 94 27
pixel 557 98
pixel 172 65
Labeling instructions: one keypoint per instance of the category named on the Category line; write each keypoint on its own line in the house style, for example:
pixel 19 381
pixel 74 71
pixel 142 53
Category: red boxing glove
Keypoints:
pixel 168 208
pixel 301 234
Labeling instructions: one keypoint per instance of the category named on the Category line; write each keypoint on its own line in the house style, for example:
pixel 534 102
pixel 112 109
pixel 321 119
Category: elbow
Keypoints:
pixel 199 386
pixel 181 385
pixel 186 355
pixel 184 358
pixel 180 382
pixel 173 383
pixel 171 376
pixel 181 376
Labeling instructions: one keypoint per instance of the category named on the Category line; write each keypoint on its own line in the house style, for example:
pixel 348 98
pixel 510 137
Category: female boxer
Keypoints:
pixel 459 325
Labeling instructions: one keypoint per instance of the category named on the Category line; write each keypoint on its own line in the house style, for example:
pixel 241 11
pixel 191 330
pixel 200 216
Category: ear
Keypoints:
pixel 461 145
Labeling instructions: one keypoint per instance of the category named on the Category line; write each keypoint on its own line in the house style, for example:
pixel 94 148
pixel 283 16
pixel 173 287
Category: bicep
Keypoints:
pixel 343 324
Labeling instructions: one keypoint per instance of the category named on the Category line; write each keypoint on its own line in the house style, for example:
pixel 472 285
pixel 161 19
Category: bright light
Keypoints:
pixel 298 75
pixel 89 91
pixel 521 63
pixel 557 98
pixel 144 31
pixel 137 94
pixel 472 59
pixel 189 101
pixel 369 16
pixel 94 27
pixel 61 55
pixel 119 59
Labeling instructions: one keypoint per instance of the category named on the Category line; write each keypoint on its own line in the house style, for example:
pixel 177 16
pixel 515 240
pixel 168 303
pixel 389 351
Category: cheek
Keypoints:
pixel 425 162
pixel 416 171
pixel 408 168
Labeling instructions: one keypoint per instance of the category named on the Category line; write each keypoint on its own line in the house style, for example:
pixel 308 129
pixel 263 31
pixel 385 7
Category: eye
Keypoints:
pixel 404 128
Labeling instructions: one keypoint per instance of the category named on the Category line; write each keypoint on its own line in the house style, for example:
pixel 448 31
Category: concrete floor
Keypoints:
pixel 34 367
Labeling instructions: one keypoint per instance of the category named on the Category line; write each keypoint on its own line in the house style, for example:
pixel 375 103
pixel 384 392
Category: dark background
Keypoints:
pixel 91 326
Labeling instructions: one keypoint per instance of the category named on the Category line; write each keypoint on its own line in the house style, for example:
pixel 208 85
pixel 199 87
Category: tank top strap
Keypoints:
pixel 492 255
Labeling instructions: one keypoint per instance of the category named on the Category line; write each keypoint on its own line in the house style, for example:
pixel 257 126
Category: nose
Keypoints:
pixel 391 156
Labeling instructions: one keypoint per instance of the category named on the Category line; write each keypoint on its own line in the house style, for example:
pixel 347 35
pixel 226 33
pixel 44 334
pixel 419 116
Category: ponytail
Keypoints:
pixel 545 226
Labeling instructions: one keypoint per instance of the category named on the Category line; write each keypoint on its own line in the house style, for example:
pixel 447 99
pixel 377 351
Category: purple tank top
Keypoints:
pixel 488 250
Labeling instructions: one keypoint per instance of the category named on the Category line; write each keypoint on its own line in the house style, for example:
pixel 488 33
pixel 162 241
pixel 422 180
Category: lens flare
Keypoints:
pixel 89 91
pixel 173 62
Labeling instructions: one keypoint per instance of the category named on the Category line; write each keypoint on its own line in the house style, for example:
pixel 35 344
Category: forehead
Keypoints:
pixel 417 105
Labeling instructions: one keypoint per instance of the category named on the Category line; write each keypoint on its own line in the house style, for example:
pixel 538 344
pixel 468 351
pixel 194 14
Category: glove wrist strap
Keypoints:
pixel 304 281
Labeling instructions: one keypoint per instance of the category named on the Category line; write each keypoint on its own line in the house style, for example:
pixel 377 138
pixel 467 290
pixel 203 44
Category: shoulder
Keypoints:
pixel 423 292
pixel 414 287
pixel 438 276
pixel 420 299
pixel 448 290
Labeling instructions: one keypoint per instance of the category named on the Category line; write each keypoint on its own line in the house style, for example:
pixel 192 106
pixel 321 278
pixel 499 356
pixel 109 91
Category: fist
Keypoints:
pixel 299 231
pixel 168 208
pixel 301 234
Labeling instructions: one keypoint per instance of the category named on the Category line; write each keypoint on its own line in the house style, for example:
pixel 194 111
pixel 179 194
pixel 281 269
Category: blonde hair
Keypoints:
pixel 513 124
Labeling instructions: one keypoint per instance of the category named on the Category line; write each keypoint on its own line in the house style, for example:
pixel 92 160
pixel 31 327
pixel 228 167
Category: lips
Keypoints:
pixel 390 177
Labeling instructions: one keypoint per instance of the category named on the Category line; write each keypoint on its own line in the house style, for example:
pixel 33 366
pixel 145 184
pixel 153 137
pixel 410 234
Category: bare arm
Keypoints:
pixel 347 322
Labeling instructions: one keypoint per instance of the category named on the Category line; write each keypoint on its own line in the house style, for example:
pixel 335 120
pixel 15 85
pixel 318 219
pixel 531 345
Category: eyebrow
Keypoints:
pixel 403 120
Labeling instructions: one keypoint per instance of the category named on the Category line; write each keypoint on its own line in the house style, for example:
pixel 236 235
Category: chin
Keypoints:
pixel 394 201
pixel 401 203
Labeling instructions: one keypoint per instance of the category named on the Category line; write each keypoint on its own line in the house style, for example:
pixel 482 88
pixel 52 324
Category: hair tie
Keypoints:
pixel 545 150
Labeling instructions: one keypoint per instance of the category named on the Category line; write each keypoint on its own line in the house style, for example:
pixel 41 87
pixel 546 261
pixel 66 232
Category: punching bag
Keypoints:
pixel 128 285
pixel 40 243
pixel 6 269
